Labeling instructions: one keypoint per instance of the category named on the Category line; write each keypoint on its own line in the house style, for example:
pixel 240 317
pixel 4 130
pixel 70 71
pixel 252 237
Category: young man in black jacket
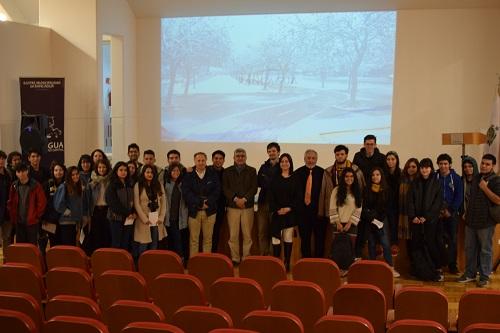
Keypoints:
pixel 480 222
pixel 267 172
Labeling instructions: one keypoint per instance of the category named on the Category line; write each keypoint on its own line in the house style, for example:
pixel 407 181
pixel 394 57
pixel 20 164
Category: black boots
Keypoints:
pixel 288 254
pixel 277 250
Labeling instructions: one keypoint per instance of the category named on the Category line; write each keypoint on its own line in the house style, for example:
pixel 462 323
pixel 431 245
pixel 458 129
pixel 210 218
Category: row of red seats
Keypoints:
pixel 266 270
pixel 140 317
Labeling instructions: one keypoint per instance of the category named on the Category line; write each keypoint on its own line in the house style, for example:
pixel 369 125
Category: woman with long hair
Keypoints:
pixel 409 174
pixel 345 205
pixel 51 215
pixel 284 201
pixel 176 218
pixel 71 201
pixel 393 177
pixel 121 212
pixel 85 167
pixel 151 206
pixel 99 230
pixel 424 206
pixel 98 154
pixel 374 213
pixel 132 172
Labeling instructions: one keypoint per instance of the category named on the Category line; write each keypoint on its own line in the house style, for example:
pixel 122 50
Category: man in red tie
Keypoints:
pixel 310 177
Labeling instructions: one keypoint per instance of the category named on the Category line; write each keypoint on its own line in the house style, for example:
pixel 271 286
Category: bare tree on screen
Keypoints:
pixel 192 46
pixel 358 34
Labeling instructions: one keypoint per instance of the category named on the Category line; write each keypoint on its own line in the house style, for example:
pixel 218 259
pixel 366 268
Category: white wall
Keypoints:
pixel 74 48
pixel 25 52
pixel 445 79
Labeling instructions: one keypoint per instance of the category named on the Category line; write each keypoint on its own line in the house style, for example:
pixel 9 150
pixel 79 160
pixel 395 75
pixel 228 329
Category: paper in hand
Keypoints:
pixel 153 218
pixel 129 221
pixel 378 223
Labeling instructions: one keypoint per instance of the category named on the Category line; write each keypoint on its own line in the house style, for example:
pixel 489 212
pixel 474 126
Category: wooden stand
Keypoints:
pixel 463 139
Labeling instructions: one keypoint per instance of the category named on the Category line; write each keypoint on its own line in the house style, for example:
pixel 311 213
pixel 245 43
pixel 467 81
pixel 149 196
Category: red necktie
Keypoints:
pixel 309 184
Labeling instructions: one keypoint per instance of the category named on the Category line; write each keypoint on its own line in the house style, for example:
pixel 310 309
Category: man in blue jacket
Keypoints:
pixel 453 196
pixel 201 189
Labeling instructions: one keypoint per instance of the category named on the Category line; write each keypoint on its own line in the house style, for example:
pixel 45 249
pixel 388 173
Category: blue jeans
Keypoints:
pixel 479 247
pixel 381 236
pixel 121 235
pixel 139 248
pixel 450 230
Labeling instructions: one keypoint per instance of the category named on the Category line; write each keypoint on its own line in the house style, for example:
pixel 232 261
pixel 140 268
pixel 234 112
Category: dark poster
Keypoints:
pixel 42 117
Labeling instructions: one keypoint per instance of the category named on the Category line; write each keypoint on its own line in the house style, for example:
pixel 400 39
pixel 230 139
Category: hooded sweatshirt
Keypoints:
pixel 452 189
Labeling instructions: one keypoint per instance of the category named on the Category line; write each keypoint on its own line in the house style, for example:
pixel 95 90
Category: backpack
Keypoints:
pixel 342 252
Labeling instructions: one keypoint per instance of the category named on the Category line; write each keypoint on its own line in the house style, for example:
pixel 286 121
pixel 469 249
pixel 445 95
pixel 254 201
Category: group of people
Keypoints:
pixel 139 206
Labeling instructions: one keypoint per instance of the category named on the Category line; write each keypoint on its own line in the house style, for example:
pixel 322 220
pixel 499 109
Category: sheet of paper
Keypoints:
pixel 378 223
pixel 129 221
pixel 82 236
pixel 153 218
pixel 49 227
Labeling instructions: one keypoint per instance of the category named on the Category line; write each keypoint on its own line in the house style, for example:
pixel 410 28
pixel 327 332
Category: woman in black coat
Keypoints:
pixel 285 198
pixel 424 205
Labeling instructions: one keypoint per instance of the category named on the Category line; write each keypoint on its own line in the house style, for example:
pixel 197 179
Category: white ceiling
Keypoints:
pixel 172 8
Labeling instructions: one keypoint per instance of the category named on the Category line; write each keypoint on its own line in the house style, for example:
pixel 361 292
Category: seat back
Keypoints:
pixel 231 330
pixel 15 321
pixel 23 303
pixel 25 253
pixel 67 256
pixel 324 272
pixel 478 306
pixel 363 300
pixel 114 285
pixel 76 306
pixel 111 259
pixel 424 303
pixel 123 312
pixel 152 263
pixel 65 324
pixel 377 273
pixel 264 321
pixel 22 278
pixel 201 319
pixel 267 271
pixel 69 281
pixel 237 296
pixel 148 327
pixel 344 324
pixel 208 267
pixel 482 328
pixel 172 291
pixel 302 298
pixel 416 326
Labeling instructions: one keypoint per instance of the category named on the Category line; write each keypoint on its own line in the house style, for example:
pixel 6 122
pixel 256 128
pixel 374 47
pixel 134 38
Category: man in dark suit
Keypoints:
pixel 310 177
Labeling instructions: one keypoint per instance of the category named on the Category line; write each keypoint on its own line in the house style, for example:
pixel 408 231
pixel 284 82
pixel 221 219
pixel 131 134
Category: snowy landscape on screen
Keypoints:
pixel 291 78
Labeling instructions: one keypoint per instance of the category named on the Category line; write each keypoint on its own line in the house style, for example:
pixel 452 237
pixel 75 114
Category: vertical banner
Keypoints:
pixel 42 117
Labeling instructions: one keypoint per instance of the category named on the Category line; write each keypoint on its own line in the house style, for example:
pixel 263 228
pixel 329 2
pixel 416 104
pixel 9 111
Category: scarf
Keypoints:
pixel 376 188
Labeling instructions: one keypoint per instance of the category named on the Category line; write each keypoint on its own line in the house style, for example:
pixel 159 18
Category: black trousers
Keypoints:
pixel 426 234
pixel 219 219
pixel 27 233
pixel 67 234
pixel 310 224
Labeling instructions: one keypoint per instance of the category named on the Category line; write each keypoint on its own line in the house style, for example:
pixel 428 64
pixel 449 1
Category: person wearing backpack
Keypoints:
pixel 425 200
pixel 481 218
pixel 344 213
